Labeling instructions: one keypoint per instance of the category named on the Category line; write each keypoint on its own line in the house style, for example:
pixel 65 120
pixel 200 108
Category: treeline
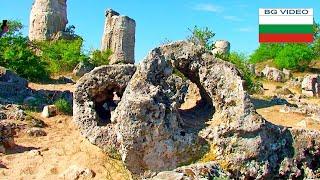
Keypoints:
pixel 294 56
pixel 38 61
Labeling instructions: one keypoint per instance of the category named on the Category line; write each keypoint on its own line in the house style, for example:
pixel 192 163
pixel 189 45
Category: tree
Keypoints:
pixel 16 55
pixel 294 56
pixel 266 51
pixel 202 36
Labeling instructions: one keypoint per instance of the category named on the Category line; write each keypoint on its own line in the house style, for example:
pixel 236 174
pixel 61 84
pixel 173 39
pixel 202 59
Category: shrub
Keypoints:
pixel 63 106
pixel 202 36
pixel 294 56
pixel 240 61
pixel 16 55
pixel 99 58
pixel 265 51
pixel 61 55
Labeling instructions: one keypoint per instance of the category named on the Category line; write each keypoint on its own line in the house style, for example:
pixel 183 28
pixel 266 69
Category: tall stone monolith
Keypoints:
pixel 119 37
pixel 47 18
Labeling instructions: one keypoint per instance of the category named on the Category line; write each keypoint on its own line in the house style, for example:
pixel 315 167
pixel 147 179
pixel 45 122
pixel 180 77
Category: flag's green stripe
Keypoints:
pixel 285 29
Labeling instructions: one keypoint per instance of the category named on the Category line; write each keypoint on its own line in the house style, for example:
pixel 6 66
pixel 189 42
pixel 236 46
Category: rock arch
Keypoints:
pixel 150 134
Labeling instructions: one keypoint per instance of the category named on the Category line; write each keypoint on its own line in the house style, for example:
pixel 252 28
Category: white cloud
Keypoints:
pixel 246 29
pixel 208 8
pixel 232 18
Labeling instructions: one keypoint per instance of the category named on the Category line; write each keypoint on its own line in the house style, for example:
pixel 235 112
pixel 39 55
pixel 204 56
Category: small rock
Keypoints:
pixel 37 123
pixel 302 124
pixel 287 74
pixel 34 153
pixel 75 173
pixel 36 132
pixel 49 111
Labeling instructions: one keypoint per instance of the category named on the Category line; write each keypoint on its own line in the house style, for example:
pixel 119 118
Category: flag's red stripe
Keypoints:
pixel 285 37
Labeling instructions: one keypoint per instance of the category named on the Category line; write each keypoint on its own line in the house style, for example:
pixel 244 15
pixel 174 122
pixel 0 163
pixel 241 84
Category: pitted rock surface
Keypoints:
pixel 47 18
pixel 93 89
pixel 119 37
pixel 151 133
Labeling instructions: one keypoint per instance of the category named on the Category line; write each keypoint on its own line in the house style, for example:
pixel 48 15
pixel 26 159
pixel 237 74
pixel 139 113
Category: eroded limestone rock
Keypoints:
pixel 47 18
pixel 93 99
pixel 151 133
pixel 221 47
pixel 119 37
pixel 311 85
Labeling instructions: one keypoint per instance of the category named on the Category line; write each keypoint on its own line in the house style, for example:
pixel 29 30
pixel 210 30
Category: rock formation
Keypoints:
pixel 221 47
pixel 47 18
pixel 151 133
pixel 119 36
pixel 311 85
pixel 93 98
pixel 273 74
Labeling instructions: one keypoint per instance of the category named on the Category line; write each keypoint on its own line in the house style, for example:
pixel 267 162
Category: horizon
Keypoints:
pixel 169 21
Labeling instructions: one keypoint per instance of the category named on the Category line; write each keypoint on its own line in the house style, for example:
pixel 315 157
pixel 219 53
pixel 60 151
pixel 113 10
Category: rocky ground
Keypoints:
pixel 35 147
pixel 61 153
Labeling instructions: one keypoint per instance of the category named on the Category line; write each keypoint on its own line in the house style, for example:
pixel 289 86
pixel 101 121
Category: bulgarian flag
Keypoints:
pixel 285 25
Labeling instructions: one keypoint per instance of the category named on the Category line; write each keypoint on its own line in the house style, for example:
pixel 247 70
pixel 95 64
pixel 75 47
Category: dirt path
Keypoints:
pixel 49 156
pixel 61 148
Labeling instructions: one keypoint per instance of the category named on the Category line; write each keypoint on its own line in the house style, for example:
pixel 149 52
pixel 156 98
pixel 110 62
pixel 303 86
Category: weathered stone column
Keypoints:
pixel 119 37
pixel 47 18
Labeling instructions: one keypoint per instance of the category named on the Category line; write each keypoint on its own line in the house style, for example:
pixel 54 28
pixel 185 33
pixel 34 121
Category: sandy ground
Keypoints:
pixel 53 87
pixel 295 120
pixel 61 148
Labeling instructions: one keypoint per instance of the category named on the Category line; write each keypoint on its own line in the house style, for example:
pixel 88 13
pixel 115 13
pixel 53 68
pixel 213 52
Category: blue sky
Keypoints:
pixel 158 21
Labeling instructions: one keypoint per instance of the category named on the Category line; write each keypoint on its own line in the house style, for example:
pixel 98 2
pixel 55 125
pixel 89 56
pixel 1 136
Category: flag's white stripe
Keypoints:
pixel 285 20
pixel 262 11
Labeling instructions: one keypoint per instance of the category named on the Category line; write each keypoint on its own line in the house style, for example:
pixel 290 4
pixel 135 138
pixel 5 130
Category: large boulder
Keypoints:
pixel 93 100
pixel 273 74
pixel 119 37
pixel 47 18
pixel 11 85
pixel 311 85
pixel 151 133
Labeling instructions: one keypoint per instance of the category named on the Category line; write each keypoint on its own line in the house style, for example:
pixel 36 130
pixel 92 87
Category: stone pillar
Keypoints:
pixel 119 37
pixel 221 47
pixel 47 18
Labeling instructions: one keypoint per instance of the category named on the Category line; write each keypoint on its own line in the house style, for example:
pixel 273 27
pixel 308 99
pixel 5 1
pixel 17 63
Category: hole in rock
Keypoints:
pixel 105 103
pixel 196 110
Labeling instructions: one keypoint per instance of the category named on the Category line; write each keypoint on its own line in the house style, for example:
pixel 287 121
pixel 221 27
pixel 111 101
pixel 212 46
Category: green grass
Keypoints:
pixel 63 106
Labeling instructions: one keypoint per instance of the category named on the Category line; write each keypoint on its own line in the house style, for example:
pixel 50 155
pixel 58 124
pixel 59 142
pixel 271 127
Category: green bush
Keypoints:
pixel 241 62
pixel 294 56
pixel 63 106
pixel 61 55
pixel 99 58
pixel 202 36
pixel 265 52
pixel 16 55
